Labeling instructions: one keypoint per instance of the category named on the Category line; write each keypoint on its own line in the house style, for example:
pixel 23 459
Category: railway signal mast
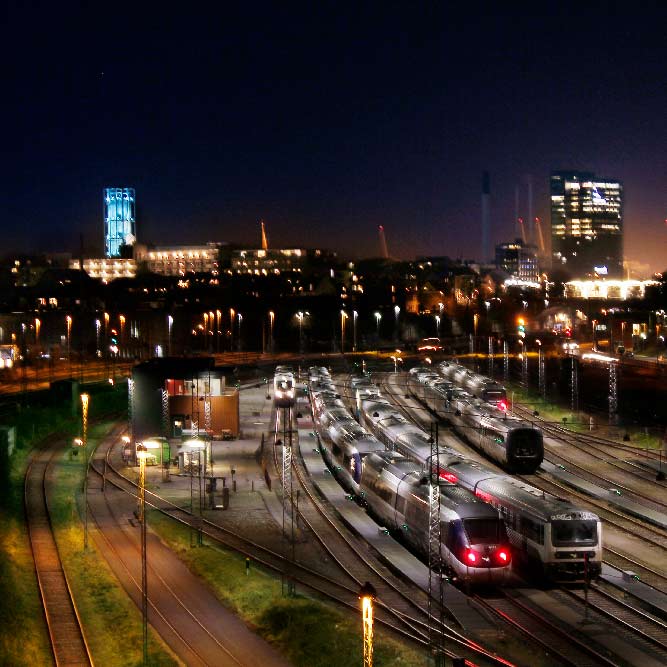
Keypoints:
pixel 435 564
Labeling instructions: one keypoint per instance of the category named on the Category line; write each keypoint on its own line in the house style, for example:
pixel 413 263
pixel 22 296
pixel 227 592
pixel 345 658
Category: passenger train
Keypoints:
pixel 514 443
pixel 475 544
pixel 546 532
pixel 479 386
pixel 284 387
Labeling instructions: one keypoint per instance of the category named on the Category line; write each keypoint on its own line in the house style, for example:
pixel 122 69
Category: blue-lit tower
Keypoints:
pixel 120 225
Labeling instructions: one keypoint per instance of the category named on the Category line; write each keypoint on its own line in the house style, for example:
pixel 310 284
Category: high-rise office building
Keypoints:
pixel 120 225
pixel 519 260
pixel 586 224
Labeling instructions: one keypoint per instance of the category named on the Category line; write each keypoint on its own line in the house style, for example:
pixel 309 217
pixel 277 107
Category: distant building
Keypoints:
pixel 106 268
pixel 519 260
pixel 265 261
pixel 179 260
pixel 120 225
pixel 586 224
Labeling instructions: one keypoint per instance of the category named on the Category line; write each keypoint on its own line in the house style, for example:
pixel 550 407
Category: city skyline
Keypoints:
pixel 329 120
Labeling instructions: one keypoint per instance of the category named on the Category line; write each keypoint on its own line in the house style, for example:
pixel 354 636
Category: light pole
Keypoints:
pixel 232 312
pixel 240 319
pixel 38 326
pixel 355 314
pixel 367 594
pixel 378 317
pixel 541 379
pixel 142 454
pixel 98 326
pixel 437 325
pixel 84 439
pixel 343 317
pixel 299 317
pixel 68 322
pixel 218 322
pixel 595 322
pixel 397 311
pixel 121 319
pixel 170 324
pixel 272 317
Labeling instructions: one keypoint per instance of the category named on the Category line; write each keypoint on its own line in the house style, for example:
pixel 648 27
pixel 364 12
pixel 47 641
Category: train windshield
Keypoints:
pixel 485 531
pixel 574 533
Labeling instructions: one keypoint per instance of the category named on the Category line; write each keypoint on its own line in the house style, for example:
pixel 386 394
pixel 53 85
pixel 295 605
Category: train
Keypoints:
pixel 515 444
pixel 284 387
pixel 561 541
pixel 478 386
pixel 394 489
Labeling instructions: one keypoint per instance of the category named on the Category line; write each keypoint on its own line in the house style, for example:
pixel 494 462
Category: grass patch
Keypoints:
pixel 308 632
pixel 111 621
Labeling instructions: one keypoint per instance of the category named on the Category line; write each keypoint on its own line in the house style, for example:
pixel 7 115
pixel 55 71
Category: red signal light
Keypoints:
pixel 502 405
pixel 471 556
pixel 449 476
pixel 503 556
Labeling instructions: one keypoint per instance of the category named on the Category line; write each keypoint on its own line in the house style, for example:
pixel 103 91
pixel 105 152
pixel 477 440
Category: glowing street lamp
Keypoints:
pixel 299 317
pixel 355 314
pixel 367 594
pixel 232 312
pixel 142 455
pixel 121 318
pixel 84 442
pixel 38 326
pixel 68 322
pixel 218 323
pixel 437 325
pixel 343 317
pixel 170 324
pixel 240 319
pixel 397 311
pixel 378 317
pixel 272 317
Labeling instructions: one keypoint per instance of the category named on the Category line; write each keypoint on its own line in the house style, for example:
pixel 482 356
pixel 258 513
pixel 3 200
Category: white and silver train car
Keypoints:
pixel 562 540
pixel 475 546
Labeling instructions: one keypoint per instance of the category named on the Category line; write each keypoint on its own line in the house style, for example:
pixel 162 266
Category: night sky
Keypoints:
pixel 328 119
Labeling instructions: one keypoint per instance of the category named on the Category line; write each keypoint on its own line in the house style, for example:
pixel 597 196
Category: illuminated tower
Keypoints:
pixel 120 226
pixel 586 224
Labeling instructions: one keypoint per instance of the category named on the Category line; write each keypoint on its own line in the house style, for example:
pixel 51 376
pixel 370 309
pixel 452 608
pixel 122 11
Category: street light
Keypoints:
pixel 397 310
pixel 437 326
pixel 272 317
pixel 378 317
pixel 232 312
pixel 122 328
pixel 218 323
pixel 142 455
pixel 343 317
pixel 170 324
pixel 299 317
pixel 84 443
pixel 240 319
pixel 367 594
pixel 68 322
pixel 355 314
pixel 38 326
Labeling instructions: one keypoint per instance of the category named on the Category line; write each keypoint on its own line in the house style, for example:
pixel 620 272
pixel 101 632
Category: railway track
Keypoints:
pixel 68 641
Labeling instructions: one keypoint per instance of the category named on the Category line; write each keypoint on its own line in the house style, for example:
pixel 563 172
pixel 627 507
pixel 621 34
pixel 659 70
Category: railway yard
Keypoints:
pixel 280 507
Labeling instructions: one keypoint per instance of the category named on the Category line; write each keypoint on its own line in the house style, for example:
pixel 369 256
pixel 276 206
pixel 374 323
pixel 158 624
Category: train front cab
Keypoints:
pixel 573 549
pixel 525 449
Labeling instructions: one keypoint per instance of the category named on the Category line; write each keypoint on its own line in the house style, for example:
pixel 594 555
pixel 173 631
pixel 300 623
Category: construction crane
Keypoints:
pixel 383 243
pixel 523 231
pixel 540 237
pixel 265 242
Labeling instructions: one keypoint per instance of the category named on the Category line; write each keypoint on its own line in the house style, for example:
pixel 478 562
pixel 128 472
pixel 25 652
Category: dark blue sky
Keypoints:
pixel 329 120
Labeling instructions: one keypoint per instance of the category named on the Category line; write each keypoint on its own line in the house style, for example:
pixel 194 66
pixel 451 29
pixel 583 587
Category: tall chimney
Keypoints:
pixel 265 243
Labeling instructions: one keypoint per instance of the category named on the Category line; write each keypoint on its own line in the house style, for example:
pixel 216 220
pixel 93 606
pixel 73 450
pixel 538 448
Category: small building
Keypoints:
pixel 519 260
pixel 174 397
